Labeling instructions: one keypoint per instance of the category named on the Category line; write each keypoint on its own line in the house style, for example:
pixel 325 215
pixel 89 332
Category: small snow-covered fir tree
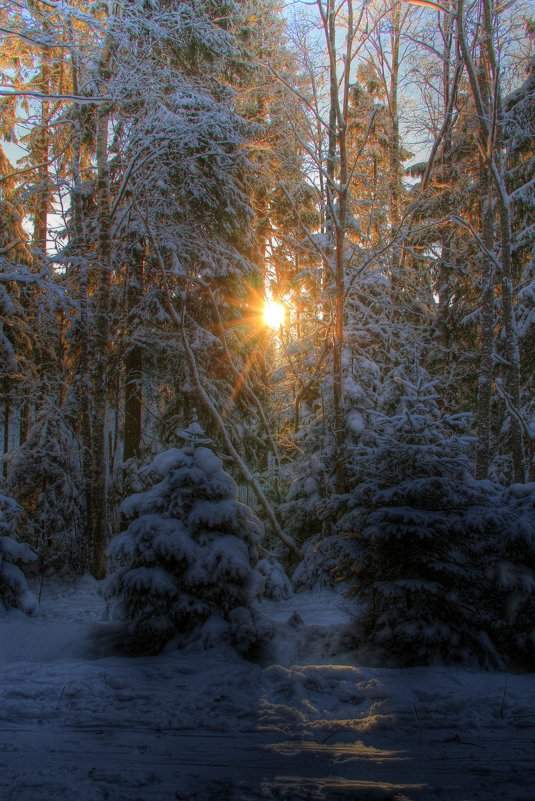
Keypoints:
pixel 309 483
pixel 271 579
pixel 14 592
pixel 319 567
pixel 417 531
pixel 46 479
pixel 189 551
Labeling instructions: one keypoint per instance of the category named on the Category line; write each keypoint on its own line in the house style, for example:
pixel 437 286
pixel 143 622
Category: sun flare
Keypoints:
pixel 274 314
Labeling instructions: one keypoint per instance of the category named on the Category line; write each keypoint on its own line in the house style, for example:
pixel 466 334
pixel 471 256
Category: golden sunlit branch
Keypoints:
pixel 428 4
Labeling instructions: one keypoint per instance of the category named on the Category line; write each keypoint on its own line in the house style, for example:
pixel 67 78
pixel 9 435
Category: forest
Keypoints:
pixel 267 315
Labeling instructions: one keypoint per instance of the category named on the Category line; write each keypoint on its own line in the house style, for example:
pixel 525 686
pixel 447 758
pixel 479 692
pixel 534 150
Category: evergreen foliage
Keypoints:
pixel 188 553
pixel 511 569
pixel 46 477
pixel 14 592
pixel 519 134
pixel 417 526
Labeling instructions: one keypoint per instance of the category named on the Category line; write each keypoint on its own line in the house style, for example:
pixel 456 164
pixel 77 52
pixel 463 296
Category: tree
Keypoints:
pixel 46 477
pixel 417 525
pixel 519 135
pixel 13 585
pixel 510 566
pixel 15 333
pixel 190 550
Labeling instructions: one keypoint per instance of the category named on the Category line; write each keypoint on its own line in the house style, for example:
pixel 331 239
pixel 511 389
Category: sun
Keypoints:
pixel 274 314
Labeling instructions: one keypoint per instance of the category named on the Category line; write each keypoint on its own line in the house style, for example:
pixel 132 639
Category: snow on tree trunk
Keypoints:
pixel 99 484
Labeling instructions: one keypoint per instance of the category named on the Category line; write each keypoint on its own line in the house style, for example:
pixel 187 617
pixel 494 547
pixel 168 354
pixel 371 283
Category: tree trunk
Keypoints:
pixel 99 378
pixel 78 248
pixel 484 399
pixel 25 416
pixel 447 253
pixel 394 149
pixel 133 370
pixel 337 191
pixel 7 421
pixel 512 351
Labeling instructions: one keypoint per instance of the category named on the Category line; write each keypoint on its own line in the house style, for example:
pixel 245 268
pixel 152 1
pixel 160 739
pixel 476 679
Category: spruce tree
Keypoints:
pixel 189 551
pixel 46 479
pixel 510 565
pixel 14 592
pixel 416 530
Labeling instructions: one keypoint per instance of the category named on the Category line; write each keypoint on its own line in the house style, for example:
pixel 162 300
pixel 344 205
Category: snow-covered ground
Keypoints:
pixel 204 725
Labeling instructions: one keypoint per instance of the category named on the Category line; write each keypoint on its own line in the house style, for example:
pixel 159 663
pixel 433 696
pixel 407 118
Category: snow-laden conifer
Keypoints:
pixel 46 478
pixel 188 553
pixel 512 573
pixel 14 592
pixel 417 530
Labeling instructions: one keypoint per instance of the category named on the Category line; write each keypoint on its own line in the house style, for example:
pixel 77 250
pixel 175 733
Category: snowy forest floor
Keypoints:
pixel 205 725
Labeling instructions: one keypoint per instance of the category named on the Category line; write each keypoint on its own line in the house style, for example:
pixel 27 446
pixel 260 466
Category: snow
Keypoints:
pixel 322 607
pixel 207 461
pixel 200 723
pixel 355 421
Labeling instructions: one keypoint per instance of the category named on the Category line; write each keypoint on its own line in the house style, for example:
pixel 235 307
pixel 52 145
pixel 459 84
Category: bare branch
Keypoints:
pixel 8 92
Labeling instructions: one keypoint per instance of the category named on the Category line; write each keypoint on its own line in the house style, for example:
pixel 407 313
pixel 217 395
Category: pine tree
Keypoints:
pixel 417 529
pixel 14 592
pixel 510 566
pixel 46 478
pixel 188 553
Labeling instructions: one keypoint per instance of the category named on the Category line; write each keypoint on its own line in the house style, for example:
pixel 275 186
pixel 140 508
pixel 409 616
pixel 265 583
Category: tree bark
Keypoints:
pixel 394 150
pixel 484 399
pixel 99 378
pixel 337 179
pixel 449 84
pixel 133 369
pixel 7 421
pixel 512 352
